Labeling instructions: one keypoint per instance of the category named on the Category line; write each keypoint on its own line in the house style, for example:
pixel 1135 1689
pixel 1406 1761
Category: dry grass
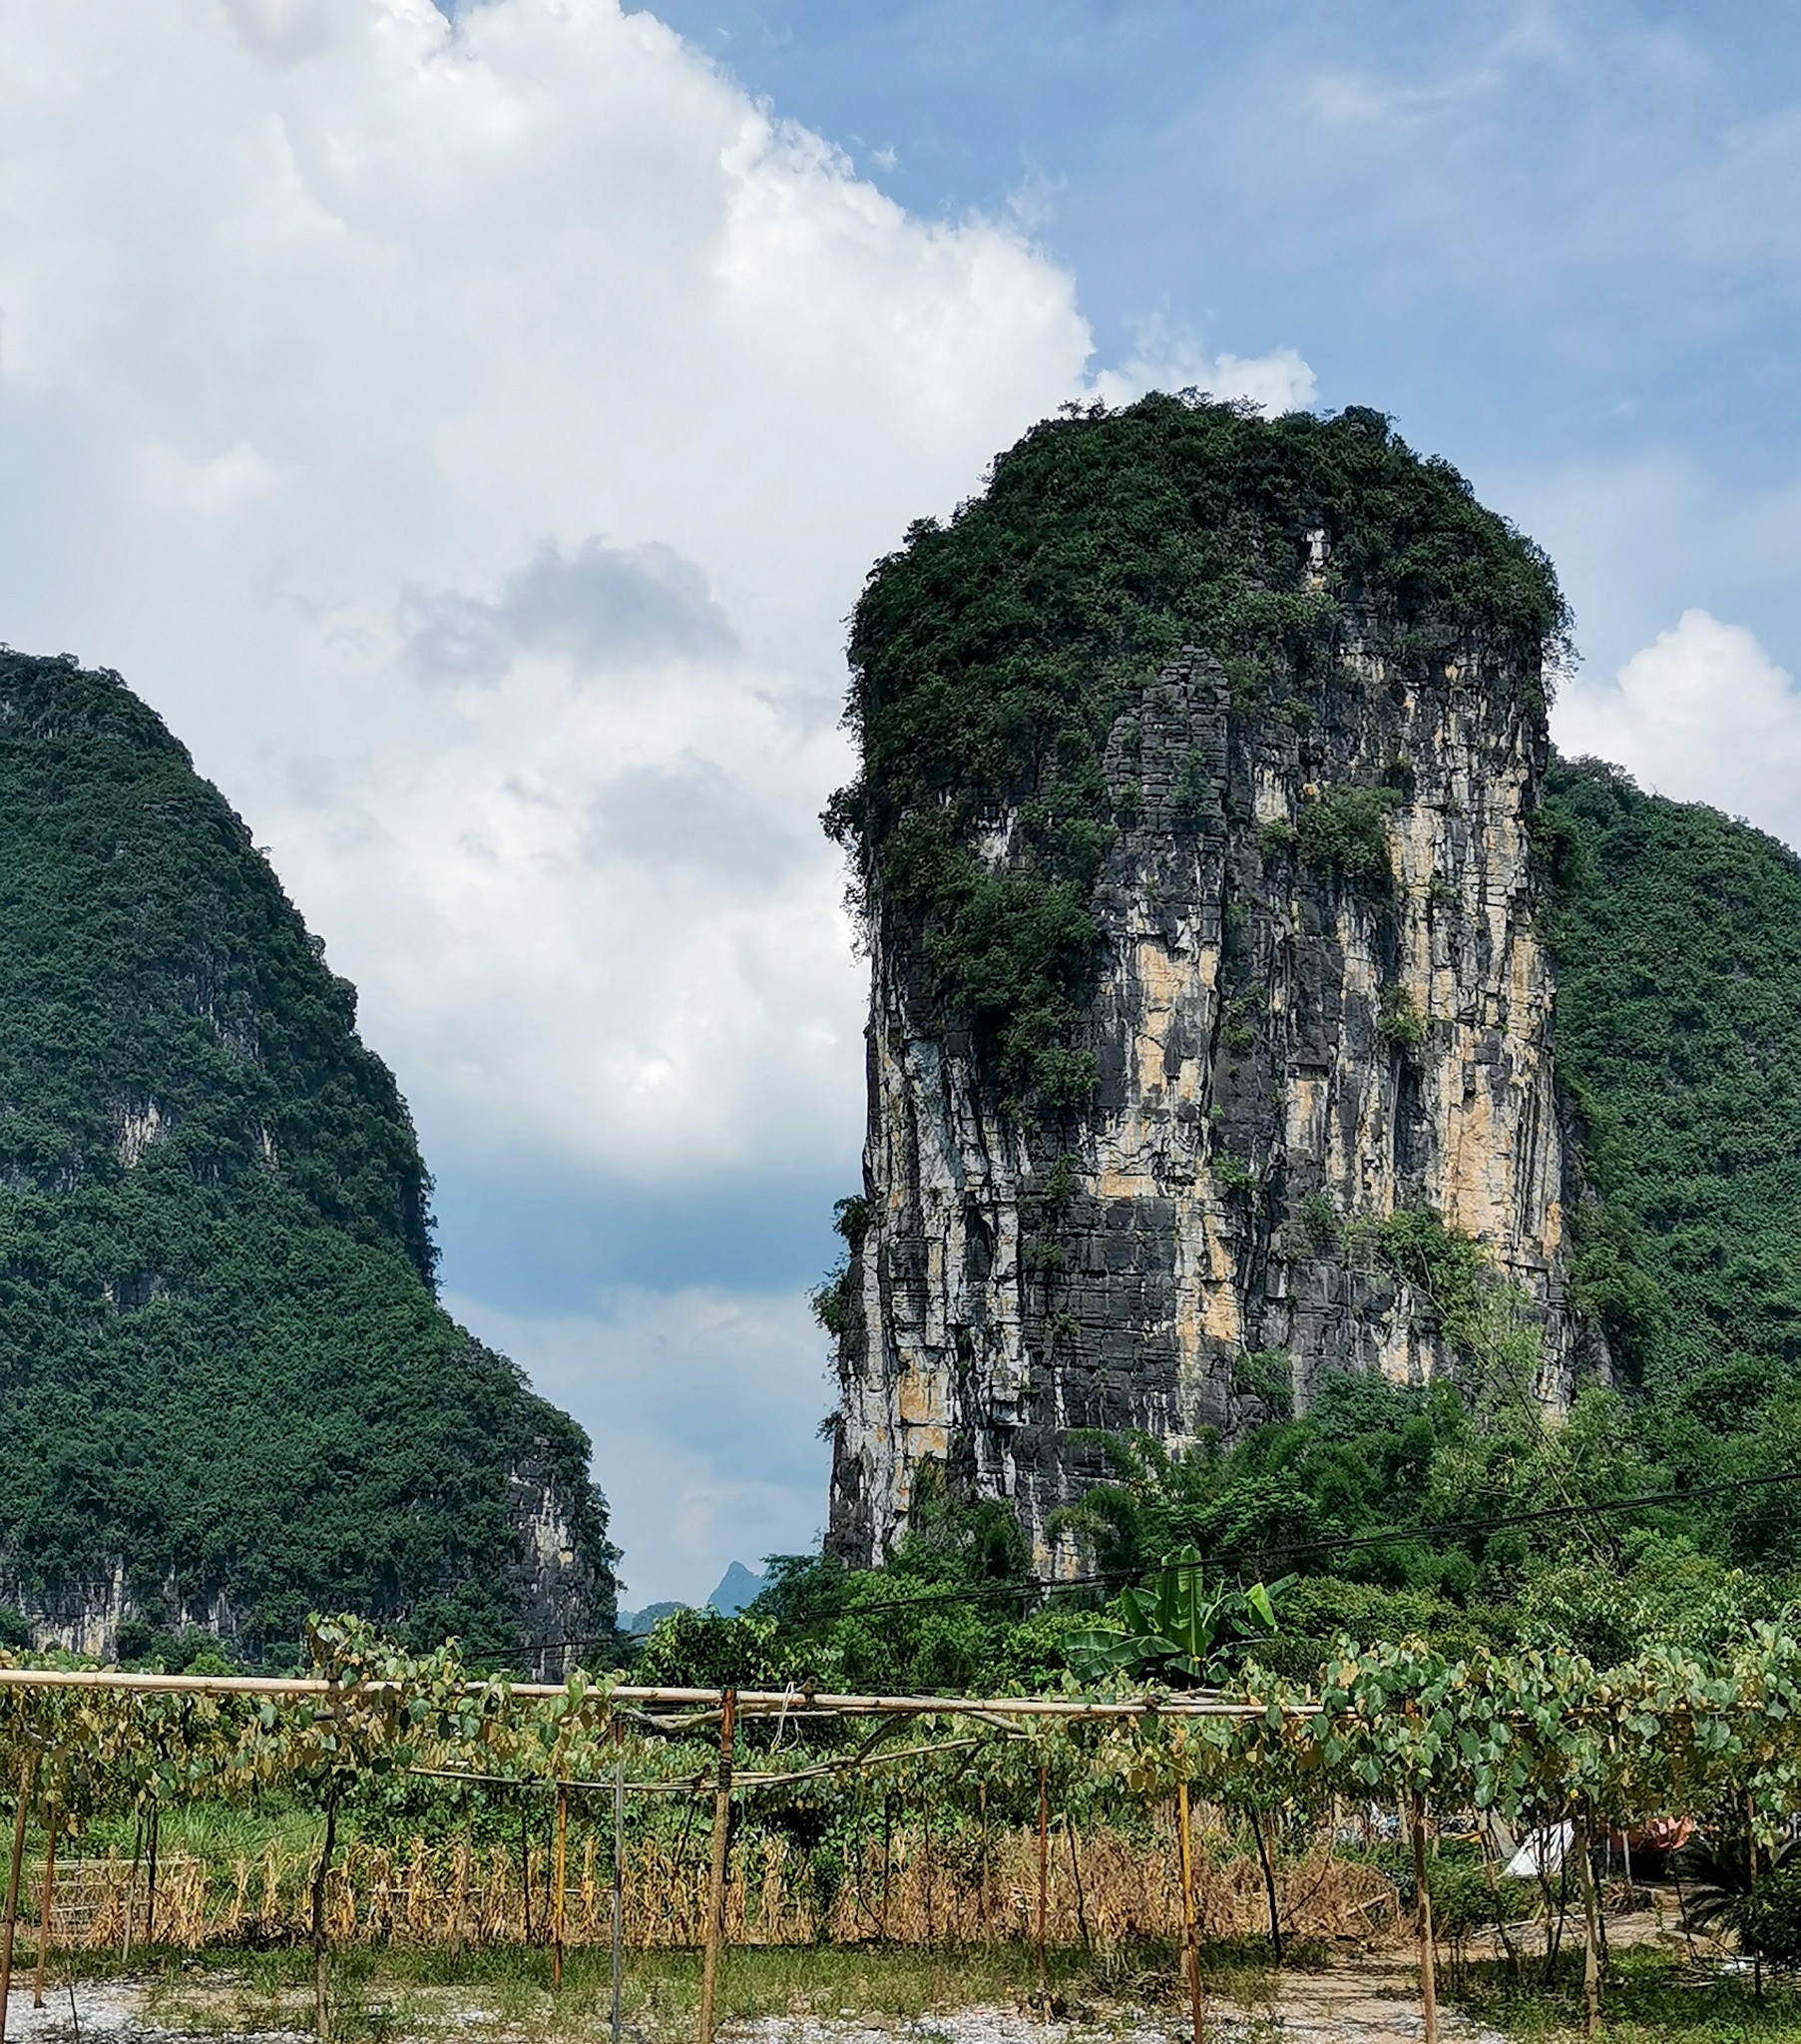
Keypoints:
pixel 1105 1892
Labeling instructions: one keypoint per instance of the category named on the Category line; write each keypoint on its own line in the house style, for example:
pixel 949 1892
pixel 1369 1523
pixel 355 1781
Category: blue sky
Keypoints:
pixel 1543 237
pixel 471 431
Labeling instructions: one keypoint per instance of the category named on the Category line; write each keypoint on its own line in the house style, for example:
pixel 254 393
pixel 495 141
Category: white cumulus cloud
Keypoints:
pixel 472 437
pixel 1171 358
pixel 1702 713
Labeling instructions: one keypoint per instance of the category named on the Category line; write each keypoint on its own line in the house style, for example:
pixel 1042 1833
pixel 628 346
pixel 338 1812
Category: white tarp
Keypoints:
pixel 1541 1853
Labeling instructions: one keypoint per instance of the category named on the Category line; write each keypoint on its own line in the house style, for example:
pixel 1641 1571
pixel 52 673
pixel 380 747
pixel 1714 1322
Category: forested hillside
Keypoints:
pixel 231 1393
pixel 1677 934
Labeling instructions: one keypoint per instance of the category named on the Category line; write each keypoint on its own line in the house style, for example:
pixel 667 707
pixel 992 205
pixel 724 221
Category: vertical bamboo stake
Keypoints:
pixel 1423 1919
pixel 557 1900
pixel 619 1867
pixel 987 1871
pixel 1269 1882
pixel 1043 1871
pixel 131 1892
pixel 1081 1915
pixel 1506 1943
pixel 525 1875
pixel 1190 1934
pixel 925 1818
pixel 715 1885
pixel 27 1773
pixel 1585 1873
pixel 150 1913
pixel 44 1899
pixel 1751 1882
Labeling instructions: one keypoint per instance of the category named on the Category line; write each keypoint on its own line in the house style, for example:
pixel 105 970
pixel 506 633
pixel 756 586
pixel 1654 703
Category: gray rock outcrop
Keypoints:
pixel 1321 998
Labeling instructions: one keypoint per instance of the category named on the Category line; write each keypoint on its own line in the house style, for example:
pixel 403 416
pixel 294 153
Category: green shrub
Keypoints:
pixel 1241 1022
pixel 831 1300
pixel 1276 839
pixel 1399 1022
pixel 1266 1375
pixel 1768 1919
pixel 1463 1902
pixel 1343 832
pixel 1320 1219
pixel 1191 799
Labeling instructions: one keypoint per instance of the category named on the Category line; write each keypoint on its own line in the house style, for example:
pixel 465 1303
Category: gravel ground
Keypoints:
pixel 1344 2005
pixel 106 2012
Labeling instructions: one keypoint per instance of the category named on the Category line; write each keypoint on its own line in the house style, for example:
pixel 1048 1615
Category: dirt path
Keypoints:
pixel 1363 2004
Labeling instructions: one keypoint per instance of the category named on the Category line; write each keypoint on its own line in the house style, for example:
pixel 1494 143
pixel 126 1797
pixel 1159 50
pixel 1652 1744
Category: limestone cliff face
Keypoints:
pixel 1288 1046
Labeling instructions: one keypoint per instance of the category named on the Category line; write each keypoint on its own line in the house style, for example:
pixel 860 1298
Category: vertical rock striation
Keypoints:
pixel 1312 995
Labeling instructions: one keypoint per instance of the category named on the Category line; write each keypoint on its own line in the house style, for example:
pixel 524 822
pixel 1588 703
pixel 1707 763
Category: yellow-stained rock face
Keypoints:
pixel 1283 1053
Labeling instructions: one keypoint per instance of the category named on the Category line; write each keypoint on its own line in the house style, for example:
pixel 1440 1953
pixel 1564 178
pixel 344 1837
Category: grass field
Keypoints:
pixel 1647 1997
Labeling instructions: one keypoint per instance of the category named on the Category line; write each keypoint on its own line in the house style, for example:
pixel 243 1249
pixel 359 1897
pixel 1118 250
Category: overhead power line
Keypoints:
pixel 1263 1554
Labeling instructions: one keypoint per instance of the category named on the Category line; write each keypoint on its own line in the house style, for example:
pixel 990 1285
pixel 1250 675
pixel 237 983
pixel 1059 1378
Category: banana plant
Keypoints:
pixel 1177 1630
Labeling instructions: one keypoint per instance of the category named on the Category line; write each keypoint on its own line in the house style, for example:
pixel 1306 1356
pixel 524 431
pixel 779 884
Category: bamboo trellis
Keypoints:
pixel 730 1912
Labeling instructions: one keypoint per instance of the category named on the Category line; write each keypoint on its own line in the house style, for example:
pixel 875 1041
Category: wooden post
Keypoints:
pixel 987 1874
pixel 1751 1884
pixel 321 1982
pixel 925 1823
pixel 1190 1928
pixel 715 1884
pixel 557 1898
pixel 43 1900
pixel 1422 1920
pixel 618 1868
pixel 1044 1873
pixel 28 1768
pixel 1585 1873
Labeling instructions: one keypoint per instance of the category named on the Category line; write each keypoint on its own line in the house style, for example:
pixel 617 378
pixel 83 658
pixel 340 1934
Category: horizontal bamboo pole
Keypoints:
pixel 761 1703
pixel 768 1703
pixel 694 1784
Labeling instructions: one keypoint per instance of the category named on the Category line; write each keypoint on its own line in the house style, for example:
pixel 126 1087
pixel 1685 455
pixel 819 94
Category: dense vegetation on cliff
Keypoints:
pixel 221 1358
pixel 1677 934
pixel 991 657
